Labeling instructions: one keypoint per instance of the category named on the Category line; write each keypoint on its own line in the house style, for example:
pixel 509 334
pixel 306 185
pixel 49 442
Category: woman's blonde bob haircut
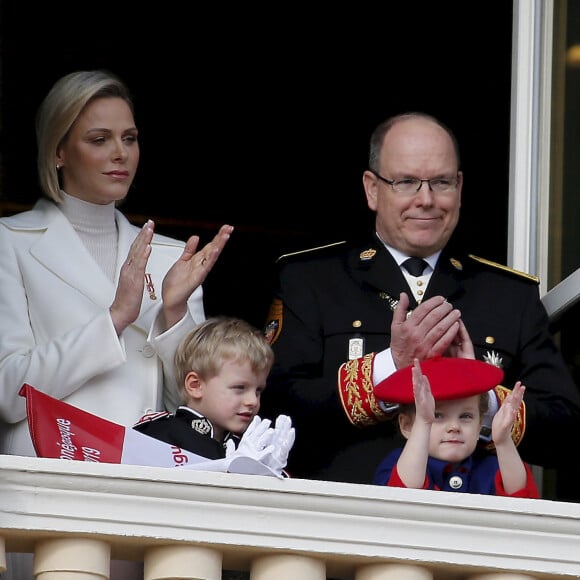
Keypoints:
pixel 217 340
pixel 58 112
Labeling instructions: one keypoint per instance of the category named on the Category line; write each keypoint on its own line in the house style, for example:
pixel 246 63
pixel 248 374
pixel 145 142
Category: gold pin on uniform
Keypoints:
pixel 368 254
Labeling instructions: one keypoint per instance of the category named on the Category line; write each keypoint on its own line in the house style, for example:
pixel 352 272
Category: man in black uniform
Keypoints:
pixel 347 315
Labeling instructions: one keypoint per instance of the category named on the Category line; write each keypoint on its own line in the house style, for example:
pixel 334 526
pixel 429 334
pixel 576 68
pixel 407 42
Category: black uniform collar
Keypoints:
pixel 200 423
pixel 447 279
pixel 373 265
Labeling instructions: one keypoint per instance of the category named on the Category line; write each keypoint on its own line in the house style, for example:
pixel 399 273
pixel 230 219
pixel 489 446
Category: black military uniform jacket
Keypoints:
pixel 186 429
pixel 328 296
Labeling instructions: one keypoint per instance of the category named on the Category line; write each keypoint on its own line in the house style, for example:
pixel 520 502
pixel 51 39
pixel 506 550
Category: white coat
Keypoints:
pixel 56 331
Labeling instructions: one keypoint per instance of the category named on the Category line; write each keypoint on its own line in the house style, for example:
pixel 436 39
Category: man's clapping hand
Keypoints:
pixel 432 329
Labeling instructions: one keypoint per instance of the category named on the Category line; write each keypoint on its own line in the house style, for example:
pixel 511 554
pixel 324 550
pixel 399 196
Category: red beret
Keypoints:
pixel 450 378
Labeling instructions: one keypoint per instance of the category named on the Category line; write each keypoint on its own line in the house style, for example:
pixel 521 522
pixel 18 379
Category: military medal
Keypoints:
pixel 493 358
pixel 356 345
pixel 150 286
pixel 392 302
pixel 355 348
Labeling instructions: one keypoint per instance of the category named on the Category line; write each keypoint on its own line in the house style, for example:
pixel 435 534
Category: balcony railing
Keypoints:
pixel 184 524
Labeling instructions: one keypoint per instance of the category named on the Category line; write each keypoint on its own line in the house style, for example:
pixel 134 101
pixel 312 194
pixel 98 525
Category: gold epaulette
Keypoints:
pixel 505 268
pixel 309 250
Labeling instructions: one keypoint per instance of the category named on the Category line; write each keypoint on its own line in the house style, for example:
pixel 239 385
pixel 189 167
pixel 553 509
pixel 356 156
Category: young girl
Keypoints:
pixel 442 430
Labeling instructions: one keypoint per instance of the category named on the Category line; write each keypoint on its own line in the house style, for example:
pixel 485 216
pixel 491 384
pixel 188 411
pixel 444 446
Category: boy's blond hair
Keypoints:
pixel 217 340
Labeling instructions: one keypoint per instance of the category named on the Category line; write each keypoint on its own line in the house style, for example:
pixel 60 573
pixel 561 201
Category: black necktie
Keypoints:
pixel 415 266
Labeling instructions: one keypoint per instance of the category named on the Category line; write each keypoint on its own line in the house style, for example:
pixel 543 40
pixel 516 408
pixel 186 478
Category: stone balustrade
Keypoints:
pixel 182 524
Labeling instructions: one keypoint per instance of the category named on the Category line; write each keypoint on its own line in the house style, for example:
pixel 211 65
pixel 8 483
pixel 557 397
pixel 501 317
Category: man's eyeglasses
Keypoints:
pixel 411 185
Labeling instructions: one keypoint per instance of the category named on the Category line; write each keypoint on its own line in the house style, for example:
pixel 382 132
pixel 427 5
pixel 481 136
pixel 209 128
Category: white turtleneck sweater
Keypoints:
pixel 95 224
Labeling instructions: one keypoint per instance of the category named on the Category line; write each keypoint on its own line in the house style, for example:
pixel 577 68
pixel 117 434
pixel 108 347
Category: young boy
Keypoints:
pixel 221 367
pixel 442 430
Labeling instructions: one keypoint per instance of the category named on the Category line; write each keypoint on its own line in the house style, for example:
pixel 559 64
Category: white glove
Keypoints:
pixel 269 446
pixel 282 441
pixel 255 442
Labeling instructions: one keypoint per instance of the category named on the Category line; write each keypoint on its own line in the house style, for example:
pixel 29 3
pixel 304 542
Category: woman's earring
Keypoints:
pixel 57 166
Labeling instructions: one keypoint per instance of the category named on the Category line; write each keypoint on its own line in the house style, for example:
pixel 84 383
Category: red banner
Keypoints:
pixel 62 431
